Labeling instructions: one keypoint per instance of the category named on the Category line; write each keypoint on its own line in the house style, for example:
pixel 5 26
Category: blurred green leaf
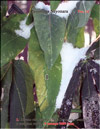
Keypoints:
pixel 76 111
pixel 38 117
pixel 50 31
pixel 47 81
pixel 80 38
pixel 54 4
pixel 29 87
pixel 3 10
pixel 75 36
pixel 6 84
pixel 7 125
pixel 83 17
pixel 95 11
pixel 29 19
pixel 76 22
pixel 96 18
pixel 96 26
pixel 11 44
pixel 21 96
pixel 3 3
pixel 4 69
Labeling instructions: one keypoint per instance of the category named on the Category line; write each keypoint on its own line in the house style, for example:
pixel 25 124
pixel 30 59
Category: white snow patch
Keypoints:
pixel 70 57
pixel 24 29
pixel 41 5
pixel 66 6
pixel 21 58
pixel 97 61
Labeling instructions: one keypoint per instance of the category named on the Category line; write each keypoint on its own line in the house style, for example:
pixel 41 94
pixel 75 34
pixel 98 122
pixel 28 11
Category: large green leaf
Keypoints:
pixel 21 96
pixel 83 17
pixel 29 85
pixel 96 18
pixel 54 4
pixel 76 22
pixel 11 44
pixel 6 84
pixel 50 31
pixel 47 81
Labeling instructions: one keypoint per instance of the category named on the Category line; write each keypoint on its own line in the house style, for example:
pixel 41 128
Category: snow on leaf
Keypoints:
pixel 24 29
pixel 11 44
pixel 41 5
pixel 66 6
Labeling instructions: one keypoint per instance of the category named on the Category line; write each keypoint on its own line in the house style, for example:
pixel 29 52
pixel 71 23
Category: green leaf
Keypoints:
pixel 29 19
pixel 3 10
pixel 50 31
pixel 96 26
pixel 38 117
pixel 3 3
pixel 76 111
pixel 83 17
pixel 11 44
pixel 6 84
pixel 37 64
pixel 75 36
pixel 95 11
pixel 47 81
pixel 80 38
pixel 54 4
pixel 4 70
pixel 29 85
pixel 21 99
pixel 96 19
pixel 76 22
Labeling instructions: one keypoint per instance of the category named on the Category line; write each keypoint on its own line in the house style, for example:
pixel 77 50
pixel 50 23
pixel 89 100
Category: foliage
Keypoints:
pixel 44 67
